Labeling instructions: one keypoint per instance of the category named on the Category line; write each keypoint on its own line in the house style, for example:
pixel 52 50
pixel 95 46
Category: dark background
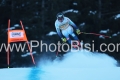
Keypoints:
pixel 38 17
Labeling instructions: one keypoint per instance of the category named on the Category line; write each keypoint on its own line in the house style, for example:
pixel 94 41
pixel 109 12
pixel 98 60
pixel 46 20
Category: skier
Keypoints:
pixel 64 27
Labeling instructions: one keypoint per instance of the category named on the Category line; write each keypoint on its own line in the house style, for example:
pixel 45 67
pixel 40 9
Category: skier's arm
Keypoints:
pixel 72 23
pixel 58 30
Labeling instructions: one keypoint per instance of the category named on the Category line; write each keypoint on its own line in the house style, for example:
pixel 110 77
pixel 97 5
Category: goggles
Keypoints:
pixel 60 17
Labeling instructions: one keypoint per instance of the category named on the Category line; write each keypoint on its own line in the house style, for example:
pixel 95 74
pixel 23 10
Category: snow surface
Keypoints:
pixel 26 27
pixel 82 24
pixel 115 34
pixel 117 16
pixel 81 65
pixel 102 37
pixel 118 33
pixel 104 31
pixel 28 54
pixel 51 33
pixel 75 3
pixel 92 12
pixel 71 10
pixel 16 25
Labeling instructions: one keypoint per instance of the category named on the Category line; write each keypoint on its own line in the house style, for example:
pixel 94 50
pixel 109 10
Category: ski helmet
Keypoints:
pixel 60 17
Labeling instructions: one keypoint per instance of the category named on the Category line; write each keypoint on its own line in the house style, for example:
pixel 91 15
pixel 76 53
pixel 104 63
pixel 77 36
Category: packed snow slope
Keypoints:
pixel 81 65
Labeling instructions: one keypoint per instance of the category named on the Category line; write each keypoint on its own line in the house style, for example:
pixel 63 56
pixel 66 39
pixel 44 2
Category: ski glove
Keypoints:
pixel 63 40
pixel 77 31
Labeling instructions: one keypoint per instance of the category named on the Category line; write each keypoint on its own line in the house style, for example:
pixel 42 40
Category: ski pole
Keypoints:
pixel 97 34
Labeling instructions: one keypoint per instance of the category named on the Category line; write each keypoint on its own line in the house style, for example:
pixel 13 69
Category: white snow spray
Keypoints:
pixel 81 65
pixel 77 66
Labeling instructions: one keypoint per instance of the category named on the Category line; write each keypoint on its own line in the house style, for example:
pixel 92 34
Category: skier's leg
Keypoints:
pixel 70 31
pixel 77 42
pixel 74 37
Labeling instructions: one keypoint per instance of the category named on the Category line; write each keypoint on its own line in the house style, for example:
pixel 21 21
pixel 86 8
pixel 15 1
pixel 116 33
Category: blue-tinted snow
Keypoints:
pixel 82 24
pixel 114 35
pixel 92 12
pixel 101 37
pixel 117 16
pixel 118 33
pixel 26 27
pixel 27 54
pixel 75 3
pixel 104 31
pixel 15 26
pixel 71 10
pixel 81 65
pixel 51 33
